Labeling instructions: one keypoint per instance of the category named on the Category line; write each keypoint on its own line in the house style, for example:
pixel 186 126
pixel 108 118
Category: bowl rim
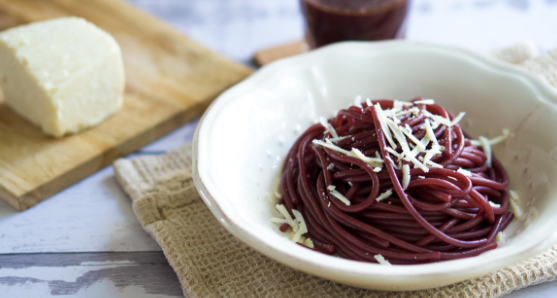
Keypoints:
pixel 390 275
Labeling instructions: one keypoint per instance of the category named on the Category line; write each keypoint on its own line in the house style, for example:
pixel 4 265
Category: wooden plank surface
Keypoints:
pixel 68 274
pixel 170 80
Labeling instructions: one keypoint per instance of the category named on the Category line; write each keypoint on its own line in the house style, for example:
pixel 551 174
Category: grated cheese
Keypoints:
pixel 487 149
pixel 464 172
pixel 309 243
pixel 393 152
pixel 328 126
pixel 514 204
pixel 457 118
pixel 338 139
pixel 430 154
pixel 302 224
pixel 370 160
pixel 384 195
pixel 408 133
pixel 331 187
pixel 358 101
pixel 433 164
pixel 339 196
pixel 405 176
pixel 500 238
pixel 276 187
pixel 438 119
pixel 382 260
pixel 331 146
pixel 496 140
pixel 425 101
pixel 330 166
pixel 494 205
pixel 382 122
pixel 289 220
pixel 430 133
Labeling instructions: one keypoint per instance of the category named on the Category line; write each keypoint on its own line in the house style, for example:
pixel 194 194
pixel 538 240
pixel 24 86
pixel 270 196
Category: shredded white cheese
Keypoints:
pixel 514 204
pixel 331 146
pixel 339 196
pixel 393 152
pixel 430 133
pixel 331 187
pixel 405 176
pixel 276 187
pixel 369 160
pixel 384 128
pixel 358 101
pixel 302 224
pixel 328 126
pixel 384 195
pixel 330 166
pixel 487 149
pixel 494 205
pixel 506 134
pixel 425 101
pixel 339 139
pixel 382 260
pixel 286 216
pixel 309 243
pixel 464 172
pixel 457 118
pixel 500 238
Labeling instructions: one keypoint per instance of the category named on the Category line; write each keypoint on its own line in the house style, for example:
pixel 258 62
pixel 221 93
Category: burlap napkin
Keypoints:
pixel 210 262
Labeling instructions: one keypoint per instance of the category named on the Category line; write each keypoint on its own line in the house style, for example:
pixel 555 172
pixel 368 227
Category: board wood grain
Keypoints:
pixel 170 80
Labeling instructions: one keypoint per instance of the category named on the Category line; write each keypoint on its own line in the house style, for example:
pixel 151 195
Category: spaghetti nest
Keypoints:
pixel 395 179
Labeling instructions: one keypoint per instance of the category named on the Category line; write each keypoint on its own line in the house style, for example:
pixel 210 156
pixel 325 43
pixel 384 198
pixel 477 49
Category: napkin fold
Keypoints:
pixel 211 262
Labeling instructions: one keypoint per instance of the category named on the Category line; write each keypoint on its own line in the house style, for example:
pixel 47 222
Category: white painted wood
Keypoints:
pixel 97 215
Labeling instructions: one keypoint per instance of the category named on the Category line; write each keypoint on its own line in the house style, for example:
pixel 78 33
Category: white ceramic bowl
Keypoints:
pixel 243 137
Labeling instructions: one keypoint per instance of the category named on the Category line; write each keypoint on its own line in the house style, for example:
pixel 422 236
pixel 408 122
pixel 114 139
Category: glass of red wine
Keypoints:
pixel 329 21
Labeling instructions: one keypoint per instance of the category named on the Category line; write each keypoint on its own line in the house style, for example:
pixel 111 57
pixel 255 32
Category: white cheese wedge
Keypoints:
pixel 64 75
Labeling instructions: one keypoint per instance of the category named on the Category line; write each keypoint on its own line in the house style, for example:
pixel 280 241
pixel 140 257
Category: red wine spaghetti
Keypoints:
pixel 393 182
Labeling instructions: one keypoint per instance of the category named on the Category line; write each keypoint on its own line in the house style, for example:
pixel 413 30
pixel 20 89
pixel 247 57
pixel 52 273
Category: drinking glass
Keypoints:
pixel 329 21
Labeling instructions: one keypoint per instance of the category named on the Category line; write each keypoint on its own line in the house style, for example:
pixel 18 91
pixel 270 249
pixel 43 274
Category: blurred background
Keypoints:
pixel 239 28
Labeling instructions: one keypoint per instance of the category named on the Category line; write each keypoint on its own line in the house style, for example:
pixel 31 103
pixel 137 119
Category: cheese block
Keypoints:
pixel 64 74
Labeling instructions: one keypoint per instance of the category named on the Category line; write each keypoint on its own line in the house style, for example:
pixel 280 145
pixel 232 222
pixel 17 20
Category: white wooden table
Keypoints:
pixel 86 242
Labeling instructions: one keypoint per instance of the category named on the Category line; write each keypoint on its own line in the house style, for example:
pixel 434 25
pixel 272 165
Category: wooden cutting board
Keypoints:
pixel 170 80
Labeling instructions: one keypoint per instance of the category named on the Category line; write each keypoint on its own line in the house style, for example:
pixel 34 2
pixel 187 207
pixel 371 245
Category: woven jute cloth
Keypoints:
pixel 211 262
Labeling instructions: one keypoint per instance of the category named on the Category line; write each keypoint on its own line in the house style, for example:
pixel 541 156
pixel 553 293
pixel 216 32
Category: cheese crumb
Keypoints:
pixel 405 176
pixel 328 126
pixel 464 172
pixel 289 220
pixel 302 224
pixel 494 205
pixel 358 101
pixel 309 243
pixel 384 195
pixel 382 260
pixel 500 238
pixel 425 101
pixel 457 118
pixel 514 198
pixel 330 166
pixel 486 146
pixel 339 196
